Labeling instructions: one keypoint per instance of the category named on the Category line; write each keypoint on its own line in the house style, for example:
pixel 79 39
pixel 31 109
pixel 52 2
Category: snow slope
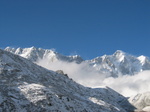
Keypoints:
pixel 27 87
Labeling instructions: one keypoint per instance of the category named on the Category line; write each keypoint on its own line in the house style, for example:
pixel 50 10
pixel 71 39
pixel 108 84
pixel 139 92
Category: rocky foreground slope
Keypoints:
pixel 27 87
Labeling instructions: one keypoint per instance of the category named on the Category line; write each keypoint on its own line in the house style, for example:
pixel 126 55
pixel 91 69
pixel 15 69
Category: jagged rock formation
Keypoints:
pixel 28 87
pixel 61 72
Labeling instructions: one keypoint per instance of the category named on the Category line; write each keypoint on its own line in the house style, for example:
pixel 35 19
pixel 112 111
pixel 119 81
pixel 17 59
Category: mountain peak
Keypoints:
pixel 33 47
pixel 143 59
pixel 119 55
pixel 119 52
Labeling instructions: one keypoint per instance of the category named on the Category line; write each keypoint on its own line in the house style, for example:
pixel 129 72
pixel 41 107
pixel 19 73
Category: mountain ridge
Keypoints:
pixel 35 54
pixel 119 63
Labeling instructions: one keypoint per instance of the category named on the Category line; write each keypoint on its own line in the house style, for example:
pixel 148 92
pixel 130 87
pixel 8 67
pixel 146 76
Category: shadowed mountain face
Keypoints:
pixel 26 87
pixel 120 63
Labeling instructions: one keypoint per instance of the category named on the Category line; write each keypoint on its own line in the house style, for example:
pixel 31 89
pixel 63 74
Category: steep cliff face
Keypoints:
pixel 26 87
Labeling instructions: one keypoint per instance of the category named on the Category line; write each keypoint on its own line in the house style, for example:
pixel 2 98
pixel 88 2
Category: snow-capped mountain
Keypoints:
pixel 28 87
pixel 35 54
pixel 120 63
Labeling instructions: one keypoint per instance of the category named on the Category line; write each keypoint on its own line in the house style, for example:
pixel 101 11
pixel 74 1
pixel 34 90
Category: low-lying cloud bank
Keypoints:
pixel 130 85
pixel 87 76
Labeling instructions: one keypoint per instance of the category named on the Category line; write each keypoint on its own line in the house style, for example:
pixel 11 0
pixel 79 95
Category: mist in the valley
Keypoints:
pixel 87 76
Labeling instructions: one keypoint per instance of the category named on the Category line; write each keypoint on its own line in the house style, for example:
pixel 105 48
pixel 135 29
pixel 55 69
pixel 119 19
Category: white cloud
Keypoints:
pixel 130 85
pixel 85 75
pixel 81 73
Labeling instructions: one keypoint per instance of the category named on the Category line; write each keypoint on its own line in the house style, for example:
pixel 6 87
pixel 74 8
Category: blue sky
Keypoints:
pixel 89 28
